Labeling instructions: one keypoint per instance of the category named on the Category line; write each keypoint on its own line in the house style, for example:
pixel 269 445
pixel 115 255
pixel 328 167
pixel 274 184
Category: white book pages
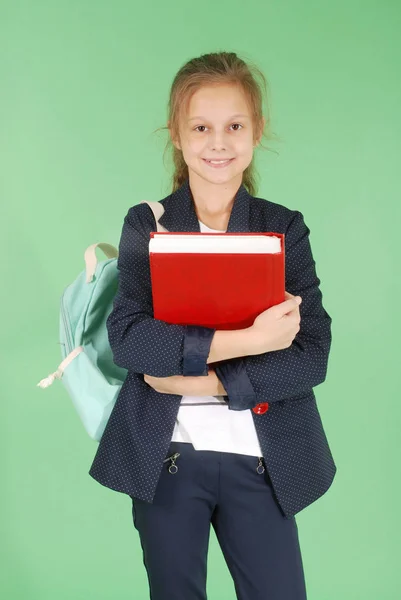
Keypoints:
pixel 211 243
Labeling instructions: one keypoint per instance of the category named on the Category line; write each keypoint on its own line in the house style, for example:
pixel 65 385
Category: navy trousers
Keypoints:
pixel 233 492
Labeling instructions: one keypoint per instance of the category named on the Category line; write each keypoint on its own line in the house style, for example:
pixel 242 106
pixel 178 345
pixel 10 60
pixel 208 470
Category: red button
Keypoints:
pixel 261 408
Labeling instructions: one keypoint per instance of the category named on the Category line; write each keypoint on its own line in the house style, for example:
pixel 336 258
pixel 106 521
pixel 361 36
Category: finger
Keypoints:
pixel 287 306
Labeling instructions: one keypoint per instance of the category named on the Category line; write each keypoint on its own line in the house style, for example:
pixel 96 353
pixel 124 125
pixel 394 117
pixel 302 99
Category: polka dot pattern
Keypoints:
pixel 130 455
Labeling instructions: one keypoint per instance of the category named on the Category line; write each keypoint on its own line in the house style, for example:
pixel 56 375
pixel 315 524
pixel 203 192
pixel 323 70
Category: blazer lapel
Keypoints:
pixel 180 215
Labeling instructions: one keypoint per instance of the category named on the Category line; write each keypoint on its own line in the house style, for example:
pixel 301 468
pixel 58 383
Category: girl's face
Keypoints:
pixel 218 125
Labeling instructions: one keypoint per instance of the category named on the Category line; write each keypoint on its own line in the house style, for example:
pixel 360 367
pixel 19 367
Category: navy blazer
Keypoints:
pixel 137 436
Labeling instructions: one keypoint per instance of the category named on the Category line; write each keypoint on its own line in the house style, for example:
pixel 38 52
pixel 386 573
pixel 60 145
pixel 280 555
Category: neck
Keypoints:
pixel 213 202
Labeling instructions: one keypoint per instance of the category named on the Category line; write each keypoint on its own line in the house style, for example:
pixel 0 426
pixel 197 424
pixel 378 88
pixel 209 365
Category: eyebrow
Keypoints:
pixel 232 117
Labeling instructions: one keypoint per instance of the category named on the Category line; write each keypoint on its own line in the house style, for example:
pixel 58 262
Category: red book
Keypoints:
pixel 218 280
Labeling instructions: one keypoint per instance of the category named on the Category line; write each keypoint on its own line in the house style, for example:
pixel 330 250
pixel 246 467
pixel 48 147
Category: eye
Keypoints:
pixel 196 128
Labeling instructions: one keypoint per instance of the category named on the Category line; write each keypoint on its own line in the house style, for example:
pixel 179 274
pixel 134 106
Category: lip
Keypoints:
pixel 221 166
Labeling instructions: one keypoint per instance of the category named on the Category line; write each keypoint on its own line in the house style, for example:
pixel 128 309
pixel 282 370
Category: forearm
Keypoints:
pixel 293 371
pixel 208 385
pixel 202 386
pixel 230 344
pixel 139 342
pixel 277 375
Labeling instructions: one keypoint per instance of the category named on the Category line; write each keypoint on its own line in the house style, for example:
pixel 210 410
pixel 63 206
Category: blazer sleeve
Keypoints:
pixel 139 342
pixel 280 374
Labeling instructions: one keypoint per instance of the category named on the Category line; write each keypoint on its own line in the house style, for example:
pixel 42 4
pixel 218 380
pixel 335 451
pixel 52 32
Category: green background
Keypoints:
pixel 83 86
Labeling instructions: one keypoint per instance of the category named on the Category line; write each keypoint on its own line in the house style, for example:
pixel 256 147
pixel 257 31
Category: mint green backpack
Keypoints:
pixel 91 378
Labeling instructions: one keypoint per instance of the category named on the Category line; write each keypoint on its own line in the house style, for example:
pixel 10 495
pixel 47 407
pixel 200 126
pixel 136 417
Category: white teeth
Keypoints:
pixel 218 162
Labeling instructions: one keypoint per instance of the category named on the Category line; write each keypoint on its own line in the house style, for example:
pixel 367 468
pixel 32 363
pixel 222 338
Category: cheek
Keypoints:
pixel 194 146
pixel 246 150
pixel 245 144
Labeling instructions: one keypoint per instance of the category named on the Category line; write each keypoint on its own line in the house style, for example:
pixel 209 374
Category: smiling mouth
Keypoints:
pixel 218 163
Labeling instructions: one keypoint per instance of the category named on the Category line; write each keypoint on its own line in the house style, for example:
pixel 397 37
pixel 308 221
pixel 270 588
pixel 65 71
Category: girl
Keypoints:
pixel 218 427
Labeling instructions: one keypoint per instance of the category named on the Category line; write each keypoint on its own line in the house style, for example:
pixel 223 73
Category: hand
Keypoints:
pixel 276 327
pixel 164 385
pixel 208 385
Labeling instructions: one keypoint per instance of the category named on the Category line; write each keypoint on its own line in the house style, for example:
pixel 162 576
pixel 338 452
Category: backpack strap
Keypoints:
pixel 91 259
pixel 44 383
pixel 158 211
pixel 109 250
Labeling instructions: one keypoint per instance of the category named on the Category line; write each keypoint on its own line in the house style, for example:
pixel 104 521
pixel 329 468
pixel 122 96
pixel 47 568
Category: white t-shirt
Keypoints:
pixel 207 422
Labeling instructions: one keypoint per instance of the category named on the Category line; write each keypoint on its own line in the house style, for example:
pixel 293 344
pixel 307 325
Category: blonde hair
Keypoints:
pixel 210 69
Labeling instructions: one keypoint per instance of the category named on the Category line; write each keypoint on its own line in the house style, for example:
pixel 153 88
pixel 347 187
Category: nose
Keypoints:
pixel 218 141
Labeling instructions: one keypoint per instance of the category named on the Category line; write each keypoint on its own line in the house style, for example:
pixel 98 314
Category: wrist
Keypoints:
pixel 254 342
pixel 204 385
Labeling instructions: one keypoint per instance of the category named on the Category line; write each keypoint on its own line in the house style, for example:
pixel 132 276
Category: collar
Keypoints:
pixel 180 214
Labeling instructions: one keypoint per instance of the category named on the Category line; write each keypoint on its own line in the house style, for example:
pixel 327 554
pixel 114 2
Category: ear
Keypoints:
pixel 262 126
pixel 174 141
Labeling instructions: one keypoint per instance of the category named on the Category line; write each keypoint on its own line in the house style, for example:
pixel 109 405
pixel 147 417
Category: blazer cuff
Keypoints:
pixel 197 342
pixel 237 384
